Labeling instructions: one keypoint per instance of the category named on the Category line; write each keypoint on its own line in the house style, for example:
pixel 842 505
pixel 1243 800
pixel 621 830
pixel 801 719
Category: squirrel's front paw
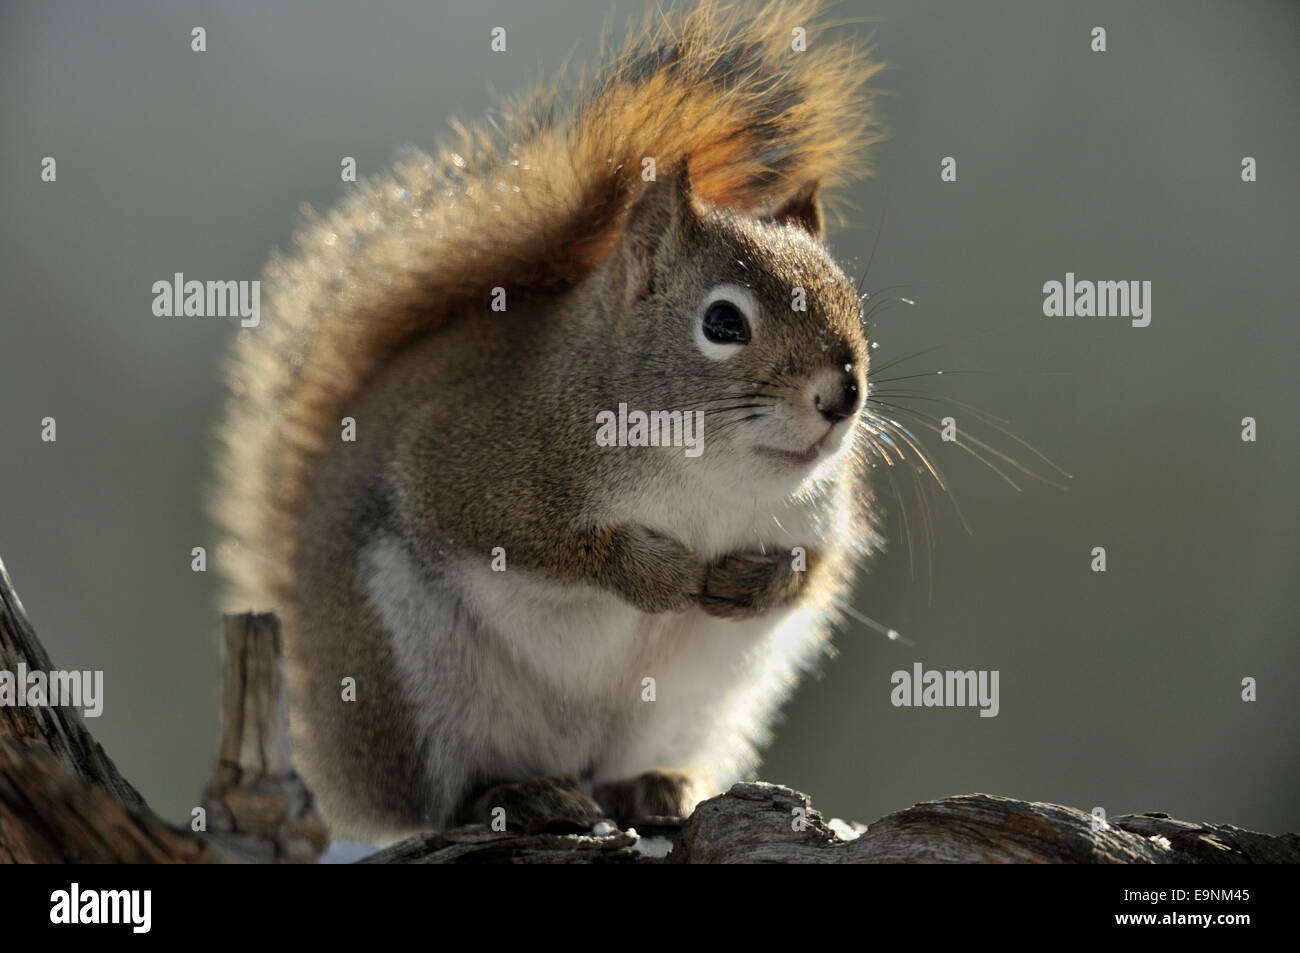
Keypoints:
pixel 652 571
pixel 741 585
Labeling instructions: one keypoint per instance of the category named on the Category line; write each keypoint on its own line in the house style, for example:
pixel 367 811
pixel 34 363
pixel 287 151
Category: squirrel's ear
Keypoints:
pixel 803 210
pixel 665 211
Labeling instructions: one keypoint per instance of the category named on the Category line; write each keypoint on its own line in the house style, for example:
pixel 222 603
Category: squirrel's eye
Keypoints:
pixel 731 317
pixel 724 324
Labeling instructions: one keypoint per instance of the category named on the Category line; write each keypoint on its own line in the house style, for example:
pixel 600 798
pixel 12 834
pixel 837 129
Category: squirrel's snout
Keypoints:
pixel 837 394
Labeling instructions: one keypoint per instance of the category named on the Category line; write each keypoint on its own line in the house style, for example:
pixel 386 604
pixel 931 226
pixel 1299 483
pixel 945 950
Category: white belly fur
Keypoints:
pixel 512 675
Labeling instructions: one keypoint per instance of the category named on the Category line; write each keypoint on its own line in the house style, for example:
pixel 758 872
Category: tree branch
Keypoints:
pixel 62 799
pixel 62 731
pixel 254 796
pixel 770 824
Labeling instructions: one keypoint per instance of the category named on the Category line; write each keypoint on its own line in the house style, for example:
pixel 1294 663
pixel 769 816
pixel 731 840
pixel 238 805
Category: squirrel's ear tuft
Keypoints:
pixel 664 212
pixel 803 210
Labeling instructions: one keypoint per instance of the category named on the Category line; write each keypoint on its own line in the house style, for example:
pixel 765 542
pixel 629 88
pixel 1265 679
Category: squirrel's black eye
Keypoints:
pixel 724 324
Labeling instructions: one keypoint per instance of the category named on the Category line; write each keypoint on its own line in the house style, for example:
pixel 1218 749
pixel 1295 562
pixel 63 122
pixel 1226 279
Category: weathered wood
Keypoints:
pixel 1212 843
pixel 62 800
pixel 973 828
pixel 478 845
pixel 61 730
pixel 49 814
pixel 254 795
pixel 767 823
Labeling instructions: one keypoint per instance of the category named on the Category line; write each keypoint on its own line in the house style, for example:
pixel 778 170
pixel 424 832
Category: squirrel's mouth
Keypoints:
pixel 795 458
pixel 825 445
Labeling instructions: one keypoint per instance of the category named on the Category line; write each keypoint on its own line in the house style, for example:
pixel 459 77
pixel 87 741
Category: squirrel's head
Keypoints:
pixel 748 320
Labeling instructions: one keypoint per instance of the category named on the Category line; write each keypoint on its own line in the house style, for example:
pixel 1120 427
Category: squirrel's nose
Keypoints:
pixel 837 396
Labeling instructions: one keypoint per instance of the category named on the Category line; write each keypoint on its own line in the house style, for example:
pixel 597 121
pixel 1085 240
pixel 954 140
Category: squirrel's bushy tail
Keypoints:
pixel 530 200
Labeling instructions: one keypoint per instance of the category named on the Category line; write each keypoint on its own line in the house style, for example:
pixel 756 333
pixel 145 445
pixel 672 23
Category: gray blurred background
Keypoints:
pixel 1119 690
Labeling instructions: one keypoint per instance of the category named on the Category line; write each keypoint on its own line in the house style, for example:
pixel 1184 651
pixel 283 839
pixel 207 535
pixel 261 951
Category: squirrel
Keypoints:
pixel 485 605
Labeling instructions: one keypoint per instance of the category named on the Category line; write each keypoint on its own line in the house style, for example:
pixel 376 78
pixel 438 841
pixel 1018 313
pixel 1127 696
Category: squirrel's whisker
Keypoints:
pixel 984 417
pixel 1008 460
pixel 880 368
pixel 929 425
pixel 875 243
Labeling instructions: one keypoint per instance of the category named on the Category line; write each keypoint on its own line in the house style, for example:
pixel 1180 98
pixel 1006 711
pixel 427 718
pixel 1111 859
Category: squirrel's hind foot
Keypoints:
pixel 647 797
pixel 554 804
